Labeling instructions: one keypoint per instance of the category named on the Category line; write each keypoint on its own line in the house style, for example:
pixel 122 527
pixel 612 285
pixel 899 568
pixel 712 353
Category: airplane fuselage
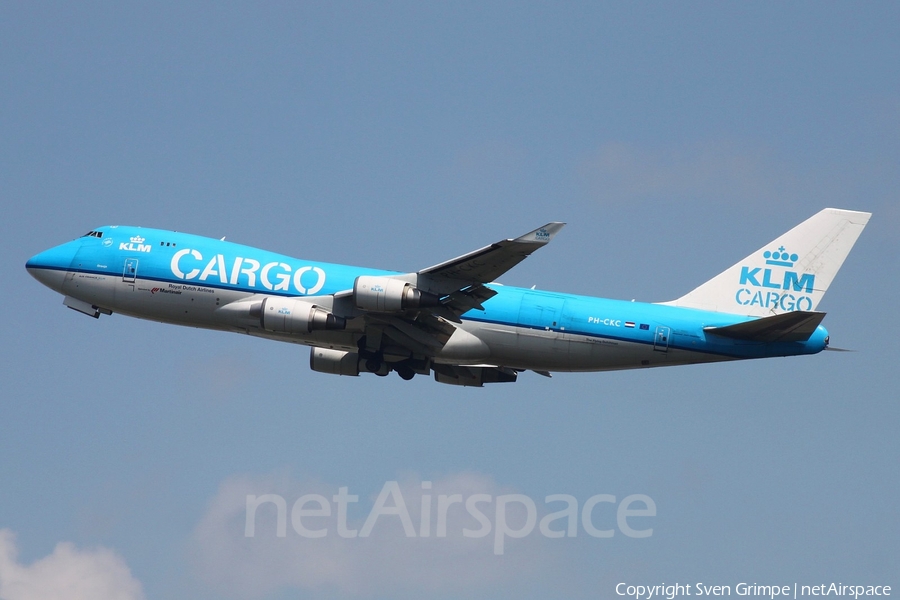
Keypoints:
pixel 201 282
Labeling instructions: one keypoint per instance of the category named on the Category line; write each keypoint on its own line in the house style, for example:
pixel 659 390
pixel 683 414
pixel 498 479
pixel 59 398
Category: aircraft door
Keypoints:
pixel 661 339
pixel 540 312
pixel 130 272
pixel 541 334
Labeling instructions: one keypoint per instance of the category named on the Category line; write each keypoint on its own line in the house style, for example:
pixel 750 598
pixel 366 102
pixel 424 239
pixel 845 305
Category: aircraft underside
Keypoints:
pixel 508 348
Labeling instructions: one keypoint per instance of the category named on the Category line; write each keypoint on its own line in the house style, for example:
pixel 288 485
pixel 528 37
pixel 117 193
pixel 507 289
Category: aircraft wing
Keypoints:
pixel 461 281
pixel 454 287
pixel 487 264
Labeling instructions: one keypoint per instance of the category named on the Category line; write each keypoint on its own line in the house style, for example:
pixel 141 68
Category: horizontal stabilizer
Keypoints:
pixel 795 326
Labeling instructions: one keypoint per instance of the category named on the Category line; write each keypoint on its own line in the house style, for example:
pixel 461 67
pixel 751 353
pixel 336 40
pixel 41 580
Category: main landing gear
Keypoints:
pixel 375 363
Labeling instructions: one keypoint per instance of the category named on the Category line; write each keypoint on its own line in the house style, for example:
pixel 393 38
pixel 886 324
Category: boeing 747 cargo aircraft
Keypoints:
pixel 452 319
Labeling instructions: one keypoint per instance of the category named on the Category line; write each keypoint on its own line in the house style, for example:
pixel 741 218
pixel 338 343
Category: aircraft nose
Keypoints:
pixel 50 266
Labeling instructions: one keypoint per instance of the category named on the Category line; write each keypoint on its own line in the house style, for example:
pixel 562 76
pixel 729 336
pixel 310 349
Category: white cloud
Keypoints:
pixel 387 562
pixel 66 574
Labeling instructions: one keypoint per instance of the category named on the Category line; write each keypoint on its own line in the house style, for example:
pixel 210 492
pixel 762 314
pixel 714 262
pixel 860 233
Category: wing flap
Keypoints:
pixel 795 326
pixel 468 298
pixel 472 375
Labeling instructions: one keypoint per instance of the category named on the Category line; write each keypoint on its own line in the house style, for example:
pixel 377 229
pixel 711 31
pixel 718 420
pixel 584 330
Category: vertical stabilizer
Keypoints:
pixel 789 273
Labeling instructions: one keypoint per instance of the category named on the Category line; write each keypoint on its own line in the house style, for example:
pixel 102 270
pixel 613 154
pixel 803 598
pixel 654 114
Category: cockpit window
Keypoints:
pixel 96 234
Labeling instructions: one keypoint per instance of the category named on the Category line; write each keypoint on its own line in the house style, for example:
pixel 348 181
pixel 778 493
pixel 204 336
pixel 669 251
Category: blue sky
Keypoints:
pixel 674 139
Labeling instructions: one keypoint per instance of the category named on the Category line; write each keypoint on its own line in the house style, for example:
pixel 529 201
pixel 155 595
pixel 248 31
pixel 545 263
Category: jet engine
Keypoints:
pixel 334 362
pixel 384 294
pixel 290 315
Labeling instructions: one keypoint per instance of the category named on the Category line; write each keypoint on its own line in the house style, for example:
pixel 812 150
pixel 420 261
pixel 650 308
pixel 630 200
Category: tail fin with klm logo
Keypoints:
pixel 790 273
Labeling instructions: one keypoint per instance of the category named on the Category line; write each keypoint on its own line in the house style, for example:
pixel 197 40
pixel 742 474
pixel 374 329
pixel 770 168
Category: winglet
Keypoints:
pixel 541 234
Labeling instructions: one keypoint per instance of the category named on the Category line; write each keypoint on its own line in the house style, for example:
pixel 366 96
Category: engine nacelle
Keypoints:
pixel 384 294
pixel 334 362
pixel 290 315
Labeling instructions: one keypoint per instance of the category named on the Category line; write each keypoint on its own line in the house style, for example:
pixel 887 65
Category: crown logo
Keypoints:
pixel 780 258
pixel 137 240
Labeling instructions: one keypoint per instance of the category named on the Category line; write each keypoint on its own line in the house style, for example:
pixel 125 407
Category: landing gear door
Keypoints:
pixel 130 272
pixel 661 339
